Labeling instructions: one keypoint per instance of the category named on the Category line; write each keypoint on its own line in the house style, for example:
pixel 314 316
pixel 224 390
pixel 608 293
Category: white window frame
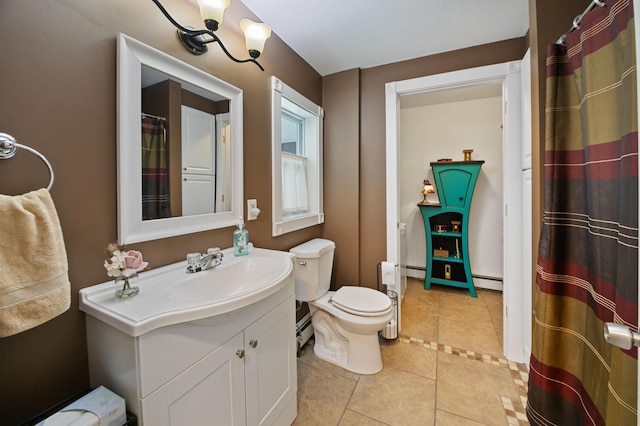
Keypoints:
pixel 299 122
pixel 313 151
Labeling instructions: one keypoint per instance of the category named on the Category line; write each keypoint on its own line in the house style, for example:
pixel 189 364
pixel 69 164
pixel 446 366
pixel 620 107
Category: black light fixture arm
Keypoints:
pixel 176 24
pixel 194 40
pixel 216 39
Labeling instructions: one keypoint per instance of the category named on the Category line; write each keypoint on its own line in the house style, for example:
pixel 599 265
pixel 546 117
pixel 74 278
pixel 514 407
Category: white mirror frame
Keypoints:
pixel 132 54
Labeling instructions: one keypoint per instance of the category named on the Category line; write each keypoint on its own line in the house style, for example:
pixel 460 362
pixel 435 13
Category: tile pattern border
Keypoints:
pixel 515 411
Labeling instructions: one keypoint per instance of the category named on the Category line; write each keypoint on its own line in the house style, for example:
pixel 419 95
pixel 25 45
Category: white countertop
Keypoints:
pixel 169 295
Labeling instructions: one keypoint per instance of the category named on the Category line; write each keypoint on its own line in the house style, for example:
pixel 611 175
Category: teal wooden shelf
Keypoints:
pixel 454 183
pixel 447 234
pixel 448 259
pixel 461 284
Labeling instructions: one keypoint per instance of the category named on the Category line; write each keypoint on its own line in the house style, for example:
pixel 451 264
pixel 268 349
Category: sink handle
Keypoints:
pixel 240 353
pixel 253 343
pixel 193 262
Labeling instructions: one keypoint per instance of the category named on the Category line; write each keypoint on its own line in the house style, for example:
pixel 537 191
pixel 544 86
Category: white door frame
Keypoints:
pixel 508 74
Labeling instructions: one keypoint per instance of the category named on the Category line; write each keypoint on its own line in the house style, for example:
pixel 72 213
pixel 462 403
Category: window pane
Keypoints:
pixel 290 134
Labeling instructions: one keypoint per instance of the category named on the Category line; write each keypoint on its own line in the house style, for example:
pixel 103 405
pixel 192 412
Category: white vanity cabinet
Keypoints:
pixel 237 368
pixel 212 388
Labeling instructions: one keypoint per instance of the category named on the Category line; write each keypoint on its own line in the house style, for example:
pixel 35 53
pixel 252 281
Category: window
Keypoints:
pixel 292 130
pixel 297 160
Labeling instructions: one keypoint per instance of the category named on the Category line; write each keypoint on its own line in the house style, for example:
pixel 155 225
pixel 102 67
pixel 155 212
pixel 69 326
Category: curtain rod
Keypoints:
pixel 145 115
pixel 578 19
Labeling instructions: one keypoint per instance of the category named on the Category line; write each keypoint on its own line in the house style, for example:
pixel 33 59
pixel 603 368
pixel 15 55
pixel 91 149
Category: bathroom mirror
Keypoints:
pixel 139 67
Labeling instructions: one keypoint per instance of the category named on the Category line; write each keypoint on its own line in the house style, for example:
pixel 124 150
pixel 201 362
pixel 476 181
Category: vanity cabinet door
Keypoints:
pixel 209 392
pixel 270 367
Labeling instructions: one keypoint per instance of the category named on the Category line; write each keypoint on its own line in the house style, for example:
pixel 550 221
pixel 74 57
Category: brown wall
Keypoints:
pixel 58 85
pixel 341 97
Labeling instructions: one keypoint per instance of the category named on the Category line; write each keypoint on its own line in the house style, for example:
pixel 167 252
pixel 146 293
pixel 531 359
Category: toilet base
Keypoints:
pixel 359 353
pixel 366 360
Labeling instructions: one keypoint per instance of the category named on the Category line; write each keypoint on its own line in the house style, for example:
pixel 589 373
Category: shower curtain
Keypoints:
pixel 155 179
pixel 587 269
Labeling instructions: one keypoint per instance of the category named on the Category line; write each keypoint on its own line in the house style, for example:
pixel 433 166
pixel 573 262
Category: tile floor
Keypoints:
pixel 445 368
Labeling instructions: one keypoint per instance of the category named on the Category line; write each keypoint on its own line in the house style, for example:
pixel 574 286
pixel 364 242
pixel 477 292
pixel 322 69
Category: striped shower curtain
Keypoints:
pixel 587 271
pixel 155 179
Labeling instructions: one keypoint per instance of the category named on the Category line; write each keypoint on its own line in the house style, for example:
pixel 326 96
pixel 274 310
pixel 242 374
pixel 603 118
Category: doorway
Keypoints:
pixel 507 75
pixel 441 125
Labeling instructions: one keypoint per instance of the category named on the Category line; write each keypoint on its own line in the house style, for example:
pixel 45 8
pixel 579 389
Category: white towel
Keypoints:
pixel 34 279
pixel 389 274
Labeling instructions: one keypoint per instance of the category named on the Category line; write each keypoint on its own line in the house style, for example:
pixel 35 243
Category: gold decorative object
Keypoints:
pixel 440 252
pixel 467 154
pixel 441 228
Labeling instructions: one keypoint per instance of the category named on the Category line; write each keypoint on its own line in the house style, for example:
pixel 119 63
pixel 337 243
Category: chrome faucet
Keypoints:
pixel 197 262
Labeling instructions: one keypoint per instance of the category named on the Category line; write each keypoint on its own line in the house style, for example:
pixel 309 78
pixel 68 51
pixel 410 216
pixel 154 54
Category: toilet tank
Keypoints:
pixel 314 261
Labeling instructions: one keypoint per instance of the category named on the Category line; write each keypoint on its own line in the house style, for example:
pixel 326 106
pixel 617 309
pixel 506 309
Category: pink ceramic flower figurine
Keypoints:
pixel 133 263
pixel 123 263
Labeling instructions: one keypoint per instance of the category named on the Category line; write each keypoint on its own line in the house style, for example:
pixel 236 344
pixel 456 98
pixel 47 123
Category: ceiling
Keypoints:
pixel 460 94
pixel 337 35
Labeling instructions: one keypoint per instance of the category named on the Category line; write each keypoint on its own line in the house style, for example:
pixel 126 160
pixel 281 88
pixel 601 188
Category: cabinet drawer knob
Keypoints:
pixel 240 353
pixel 253 343
pixel 460 198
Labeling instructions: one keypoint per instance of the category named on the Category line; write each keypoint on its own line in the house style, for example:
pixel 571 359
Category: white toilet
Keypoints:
pixel 345 322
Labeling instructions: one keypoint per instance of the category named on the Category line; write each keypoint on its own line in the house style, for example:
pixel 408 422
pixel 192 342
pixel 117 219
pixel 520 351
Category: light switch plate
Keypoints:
pixel 252 209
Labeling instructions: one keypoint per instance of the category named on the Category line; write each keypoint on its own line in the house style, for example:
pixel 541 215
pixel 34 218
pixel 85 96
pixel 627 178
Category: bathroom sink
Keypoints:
pixel 227 281
pixel 169 295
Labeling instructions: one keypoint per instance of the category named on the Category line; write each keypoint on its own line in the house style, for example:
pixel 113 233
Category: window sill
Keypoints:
pixel 296 223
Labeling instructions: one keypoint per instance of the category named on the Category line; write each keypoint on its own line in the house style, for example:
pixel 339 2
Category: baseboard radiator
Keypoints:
pixel 304 331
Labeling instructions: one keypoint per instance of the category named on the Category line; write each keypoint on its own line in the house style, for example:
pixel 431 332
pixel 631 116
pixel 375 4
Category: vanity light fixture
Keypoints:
pixel 212 12
pixel 427 189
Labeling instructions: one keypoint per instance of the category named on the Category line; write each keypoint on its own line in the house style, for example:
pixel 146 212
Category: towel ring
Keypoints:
pixel 8 147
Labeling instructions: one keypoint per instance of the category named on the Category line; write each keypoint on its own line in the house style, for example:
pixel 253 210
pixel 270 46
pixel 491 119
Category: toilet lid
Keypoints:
pixel 361 301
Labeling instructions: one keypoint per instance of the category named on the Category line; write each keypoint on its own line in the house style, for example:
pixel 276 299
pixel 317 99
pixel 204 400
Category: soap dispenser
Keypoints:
pixel 241 240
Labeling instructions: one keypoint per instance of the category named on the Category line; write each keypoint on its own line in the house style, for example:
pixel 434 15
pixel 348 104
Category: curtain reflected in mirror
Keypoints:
pixel 155 177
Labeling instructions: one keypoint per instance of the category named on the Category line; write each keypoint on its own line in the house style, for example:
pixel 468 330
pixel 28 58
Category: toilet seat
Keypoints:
pixel 362 301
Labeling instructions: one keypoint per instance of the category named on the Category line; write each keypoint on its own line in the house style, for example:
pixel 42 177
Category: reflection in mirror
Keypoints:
pixel 184 148
pixel 179 146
